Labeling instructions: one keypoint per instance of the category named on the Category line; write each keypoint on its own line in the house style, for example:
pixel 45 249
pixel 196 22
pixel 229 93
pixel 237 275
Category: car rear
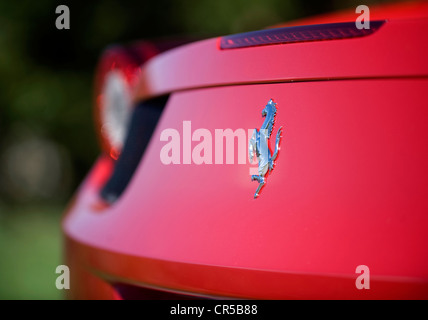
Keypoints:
pixel 170 213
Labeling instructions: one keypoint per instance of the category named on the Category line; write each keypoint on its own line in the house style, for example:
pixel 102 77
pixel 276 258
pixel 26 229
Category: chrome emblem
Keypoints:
pixel 259 145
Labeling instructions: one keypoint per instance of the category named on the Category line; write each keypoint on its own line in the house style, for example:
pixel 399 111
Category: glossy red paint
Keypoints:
pixel 349 188
pixel 395 50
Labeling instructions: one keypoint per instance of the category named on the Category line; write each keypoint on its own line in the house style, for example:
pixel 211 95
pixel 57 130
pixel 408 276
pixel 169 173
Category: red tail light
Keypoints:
pixel 116 77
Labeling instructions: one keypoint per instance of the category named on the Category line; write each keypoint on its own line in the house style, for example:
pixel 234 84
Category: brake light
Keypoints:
pixel 317 32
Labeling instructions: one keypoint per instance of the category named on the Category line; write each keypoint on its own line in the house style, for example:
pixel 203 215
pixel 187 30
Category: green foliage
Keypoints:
pixel 30 251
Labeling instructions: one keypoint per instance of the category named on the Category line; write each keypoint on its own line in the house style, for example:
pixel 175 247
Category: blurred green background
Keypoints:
pixel 47 138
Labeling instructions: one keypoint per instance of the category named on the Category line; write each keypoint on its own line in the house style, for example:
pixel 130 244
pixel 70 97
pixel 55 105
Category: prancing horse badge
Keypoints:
pixel 259 145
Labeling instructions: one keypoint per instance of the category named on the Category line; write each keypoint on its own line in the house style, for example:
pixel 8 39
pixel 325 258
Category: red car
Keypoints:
pixel 332 205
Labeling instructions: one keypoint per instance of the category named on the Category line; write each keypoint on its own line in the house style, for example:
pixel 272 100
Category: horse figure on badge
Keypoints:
pixel 259 145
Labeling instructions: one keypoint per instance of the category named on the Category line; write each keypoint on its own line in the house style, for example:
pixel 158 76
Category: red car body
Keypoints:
pixel 350 186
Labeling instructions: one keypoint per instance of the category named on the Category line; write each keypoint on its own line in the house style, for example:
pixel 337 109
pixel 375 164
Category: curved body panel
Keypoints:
pixel 349 186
